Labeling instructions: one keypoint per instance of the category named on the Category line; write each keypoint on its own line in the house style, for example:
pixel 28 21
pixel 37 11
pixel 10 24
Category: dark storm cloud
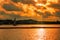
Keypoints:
pixel 16 1
pixel 57 6
pixel 2 13
pixel 38 12
pixel 12 16
pixel 10 7
pixel 18 17
pixel 47 14
pixel 24 1
pixel 5 14
pixel 57 14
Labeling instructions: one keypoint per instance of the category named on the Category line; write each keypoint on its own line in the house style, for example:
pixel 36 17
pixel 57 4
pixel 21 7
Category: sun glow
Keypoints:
pixel 41 33
pixel 40 5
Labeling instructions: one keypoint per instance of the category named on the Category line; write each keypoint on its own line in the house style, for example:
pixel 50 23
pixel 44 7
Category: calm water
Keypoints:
pixel 30 34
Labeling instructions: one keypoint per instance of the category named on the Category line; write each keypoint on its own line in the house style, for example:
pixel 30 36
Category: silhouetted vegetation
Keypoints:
pixel 30 21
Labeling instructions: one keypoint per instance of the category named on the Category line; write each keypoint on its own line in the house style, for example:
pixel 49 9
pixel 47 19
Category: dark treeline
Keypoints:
pixel 30 21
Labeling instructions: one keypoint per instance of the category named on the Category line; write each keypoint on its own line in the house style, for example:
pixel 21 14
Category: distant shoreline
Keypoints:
pixel 26 22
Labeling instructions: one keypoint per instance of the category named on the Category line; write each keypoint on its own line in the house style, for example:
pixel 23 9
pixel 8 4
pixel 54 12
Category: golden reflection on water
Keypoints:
pixel 41 33
pixel 46 34
pixel 29 34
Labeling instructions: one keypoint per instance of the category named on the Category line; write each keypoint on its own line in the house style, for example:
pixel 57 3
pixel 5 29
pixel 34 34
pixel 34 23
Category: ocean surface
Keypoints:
pixel 31 33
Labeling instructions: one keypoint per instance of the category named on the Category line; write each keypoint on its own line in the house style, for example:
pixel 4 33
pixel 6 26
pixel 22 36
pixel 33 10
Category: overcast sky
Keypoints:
pixel 19 9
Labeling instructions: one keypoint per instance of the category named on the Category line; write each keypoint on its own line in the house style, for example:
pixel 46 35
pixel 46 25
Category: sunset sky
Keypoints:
pixel 39 10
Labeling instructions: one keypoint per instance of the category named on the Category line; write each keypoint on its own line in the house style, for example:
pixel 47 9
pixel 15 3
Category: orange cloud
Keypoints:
pixel 31 7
